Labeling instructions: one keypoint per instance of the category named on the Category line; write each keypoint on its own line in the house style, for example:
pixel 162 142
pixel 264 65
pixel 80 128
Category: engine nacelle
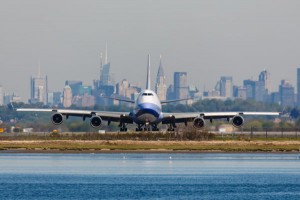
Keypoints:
pixel 57 118
pixel 237 121
pixel 199 123
pixel 96 121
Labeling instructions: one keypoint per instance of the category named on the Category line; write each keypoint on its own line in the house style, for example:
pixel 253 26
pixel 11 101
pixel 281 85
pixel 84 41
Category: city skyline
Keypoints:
pixel 207 39
pixel 260 88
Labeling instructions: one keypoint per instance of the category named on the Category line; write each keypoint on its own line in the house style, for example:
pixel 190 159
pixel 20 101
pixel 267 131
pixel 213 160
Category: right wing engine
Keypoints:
pixel 237 121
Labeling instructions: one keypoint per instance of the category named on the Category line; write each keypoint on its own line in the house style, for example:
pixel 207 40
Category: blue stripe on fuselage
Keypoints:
pixel 148 108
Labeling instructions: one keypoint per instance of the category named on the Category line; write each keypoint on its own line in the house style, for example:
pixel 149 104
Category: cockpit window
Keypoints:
pixel 147 94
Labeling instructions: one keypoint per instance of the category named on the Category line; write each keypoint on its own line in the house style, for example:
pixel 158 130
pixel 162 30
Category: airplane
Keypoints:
pixel 147 113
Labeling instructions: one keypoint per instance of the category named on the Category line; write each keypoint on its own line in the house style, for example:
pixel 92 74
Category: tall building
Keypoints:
pixel 240 92
pixel 122 87
pixel 161 86
pixel 104 70
pixel 260 91
pixel 54 98
pixel 226 87
pixel 57 98
pixel 170 92
pixel 50 99
pixel 255 90
pixel 287 93
pixel 75 86
pixel 264 77
pixel 181 89
pixel 7 99
pixel 39 90
pixel 298 86
pixel 67 96
pixel 127 90
pixel 1 96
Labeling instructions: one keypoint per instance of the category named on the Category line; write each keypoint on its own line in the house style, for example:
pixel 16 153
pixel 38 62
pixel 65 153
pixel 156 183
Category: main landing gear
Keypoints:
pixel 146 127
pixel 123 127
pixel 171 127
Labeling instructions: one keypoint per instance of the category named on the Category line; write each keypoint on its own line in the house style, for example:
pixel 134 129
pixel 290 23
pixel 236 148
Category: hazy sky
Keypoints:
pixel 207 39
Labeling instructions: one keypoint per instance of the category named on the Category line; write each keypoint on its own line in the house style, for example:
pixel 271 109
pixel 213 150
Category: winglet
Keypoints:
pixel 148 74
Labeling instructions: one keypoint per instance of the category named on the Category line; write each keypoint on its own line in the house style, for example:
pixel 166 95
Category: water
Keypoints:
pixel 149 176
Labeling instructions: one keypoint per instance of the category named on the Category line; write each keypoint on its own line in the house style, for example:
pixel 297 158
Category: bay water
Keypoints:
pixel 149 176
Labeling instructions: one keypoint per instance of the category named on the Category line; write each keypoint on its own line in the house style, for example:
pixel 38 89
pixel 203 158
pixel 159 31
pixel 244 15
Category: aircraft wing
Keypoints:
pixel 105 115
pixel 186 117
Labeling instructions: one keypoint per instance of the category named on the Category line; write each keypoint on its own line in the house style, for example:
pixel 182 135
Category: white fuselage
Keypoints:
pixel 147 108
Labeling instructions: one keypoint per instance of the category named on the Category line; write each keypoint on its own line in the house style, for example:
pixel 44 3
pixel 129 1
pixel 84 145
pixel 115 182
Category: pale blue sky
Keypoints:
pixel 205 38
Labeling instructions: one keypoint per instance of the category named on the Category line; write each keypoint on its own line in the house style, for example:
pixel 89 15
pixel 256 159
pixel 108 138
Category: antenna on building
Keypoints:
pixel 39 72
pixel 101 66
pixel 106 57
pixel 101 59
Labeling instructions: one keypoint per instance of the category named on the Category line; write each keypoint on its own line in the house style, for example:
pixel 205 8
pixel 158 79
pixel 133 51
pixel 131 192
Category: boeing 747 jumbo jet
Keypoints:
pixel 148 113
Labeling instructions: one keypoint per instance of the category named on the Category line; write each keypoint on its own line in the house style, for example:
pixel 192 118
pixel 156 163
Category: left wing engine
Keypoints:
pixel 198 123
pixel 96 121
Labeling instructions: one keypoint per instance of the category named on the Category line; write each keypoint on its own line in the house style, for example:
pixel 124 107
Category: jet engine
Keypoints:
pixel 199 123
pixel 237 121
pixel 57 118
pixel 96 121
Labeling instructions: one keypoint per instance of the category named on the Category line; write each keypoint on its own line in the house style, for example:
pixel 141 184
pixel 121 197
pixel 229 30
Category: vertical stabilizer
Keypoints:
pixel 148 74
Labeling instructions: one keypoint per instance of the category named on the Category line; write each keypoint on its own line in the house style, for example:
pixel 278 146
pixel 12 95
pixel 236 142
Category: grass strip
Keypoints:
pixel 223 146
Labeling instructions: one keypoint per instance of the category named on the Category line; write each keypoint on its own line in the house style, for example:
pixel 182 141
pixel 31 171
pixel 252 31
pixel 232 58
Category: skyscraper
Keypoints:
pixel 287 93
pixel 1 96
pixel 104 70
pixel 298 86
pixel 39 89
pixel 249 85
pixel 260 91
pixel 67 96
pixel 264 77
pixel 226 87
pixel 161 87
pixel 181 89
pixel 75 86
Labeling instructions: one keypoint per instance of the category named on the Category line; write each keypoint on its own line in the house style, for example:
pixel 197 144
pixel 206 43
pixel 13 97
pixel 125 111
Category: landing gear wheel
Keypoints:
pixel 154 128
pixel 123 129
pixel 171 128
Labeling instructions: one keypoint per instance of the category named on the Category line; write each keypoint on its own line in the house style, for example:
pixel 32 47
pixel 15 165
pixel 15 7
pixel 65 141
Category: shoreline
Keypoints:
pixel 17 151
pixel 131 146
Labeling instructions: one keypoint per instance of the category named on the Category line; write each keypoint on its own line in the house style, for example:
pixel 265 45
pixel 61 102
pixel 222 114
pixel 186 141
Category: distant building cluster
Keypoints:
pixel 6 98
pixel 257 90
pixel 76 93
